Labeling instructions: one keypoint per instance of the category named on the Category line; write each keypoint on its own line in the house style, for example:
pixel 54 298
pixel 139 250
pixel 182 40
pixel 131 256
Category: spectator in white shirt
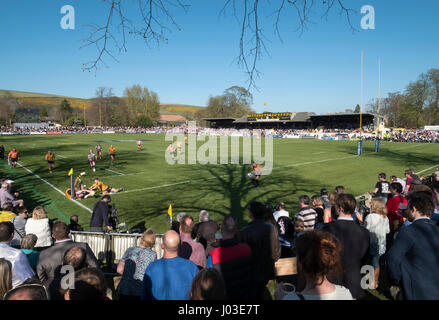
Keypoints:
pixel 21 270
pixel 280 211
pixel 39 226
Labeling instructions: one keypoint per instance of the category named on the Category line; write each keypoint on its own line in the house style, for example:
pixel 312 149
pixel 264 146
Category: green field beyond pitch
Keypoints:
pixel 151 184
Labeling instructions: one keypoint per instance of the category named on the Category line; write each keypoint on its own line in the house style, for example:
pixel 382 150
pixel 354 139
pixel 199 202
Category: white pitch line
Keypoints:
pixel 205 179
pixel 435 166
pixel 54 188
pixel 62 157
pixel 118 173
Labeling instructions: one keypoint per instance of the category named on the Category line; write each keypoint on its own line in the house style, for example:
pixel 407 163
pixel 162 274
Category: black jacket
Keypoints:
pixel 100 214
pixel 263 239
pixel 355 242
pixel 204 233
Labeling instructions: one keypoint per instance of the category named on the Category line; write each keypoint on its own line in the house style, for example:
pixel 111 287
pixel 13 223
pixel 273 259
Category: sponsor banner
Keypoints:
pixel 54 132
pixel 109 132
pixel 37 133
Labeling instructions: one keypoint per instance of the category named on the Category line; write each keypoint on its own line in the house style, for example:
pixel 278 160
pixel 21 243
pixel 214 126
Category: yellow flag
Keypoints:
pixel 70 172
pixel 169 217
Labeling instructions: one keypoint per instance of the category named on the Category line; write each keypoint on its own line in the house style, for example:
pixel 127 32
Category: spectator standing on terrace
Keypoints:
pixel 27 247
pixel 263 239
pixel 133 264
pixel 399 180
pixel 19 223
pixel 378 225
pixel 318 204
pixel 198 254
pixel 169 278
pixel 39 226
pixel 176 223
pixel 5 277
pixel 52 257
pixel 204 231
pixel 280 212
pixel 355 241
pixel 393 212
pixel 208 284
pixel 306 213
pixel 100 214
pixel 410 178
pixel 89 285
pixel 382 187
pixel 74 224
pixel 415 252
pixel 28 291
pixel 340 189
pixel 21 270
pixel 319 259
pixel 74 257
pixel 324 194
pixel 233 260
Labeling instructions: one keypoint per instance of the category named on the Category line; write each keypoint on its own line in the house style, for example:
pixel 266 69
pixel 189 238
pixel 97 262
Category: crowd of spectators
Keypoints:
pixel 396 135
pixel 393 230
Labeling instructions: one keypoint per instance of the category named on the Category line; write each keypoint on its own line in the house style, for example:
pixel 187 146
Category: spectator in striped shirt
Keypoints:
pixel 306 213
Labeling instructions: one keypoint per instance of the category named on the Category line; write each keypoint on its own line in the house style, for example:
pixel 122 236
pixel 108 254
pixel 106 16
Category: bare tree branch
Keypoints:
pixel 157 20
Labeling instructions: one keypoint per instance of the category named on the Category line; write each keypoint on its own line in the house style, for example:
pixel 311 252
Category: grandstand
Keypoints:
pixel 296 120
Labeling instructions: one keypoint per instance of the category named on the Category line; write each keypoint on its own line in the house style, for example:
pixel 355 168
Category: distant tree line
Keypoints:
pixel 138 107
pixel 415 107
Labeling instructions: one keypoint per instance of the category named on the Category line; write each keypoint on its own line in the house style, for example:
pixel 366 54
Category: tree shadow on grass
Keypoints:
pixel 225 189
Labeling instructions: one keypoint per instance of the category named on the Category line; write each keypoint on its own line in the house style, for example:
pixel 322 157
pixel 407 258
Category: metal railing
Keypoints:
pixel 110 247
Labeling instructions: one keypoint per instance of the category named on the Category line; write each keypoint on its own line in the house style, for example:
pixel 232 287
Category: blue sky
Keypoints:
pixel 317 71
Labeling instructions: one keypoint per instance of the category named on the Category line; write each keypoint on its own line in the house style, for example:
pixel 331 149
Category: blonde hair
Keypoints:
pixel 148 238
pixel 6 277
pixel 378 206
pixel 332 197
pixel 39 213
pixel 317 201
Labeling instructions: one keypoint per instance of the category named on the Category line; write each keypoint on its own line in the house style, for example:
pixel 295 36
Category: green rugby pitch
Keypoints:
pixel 301 166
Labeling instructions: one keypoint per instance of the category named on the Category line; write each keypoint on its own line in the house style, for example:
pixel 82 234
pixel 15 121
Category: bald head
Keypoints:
pixel 171 241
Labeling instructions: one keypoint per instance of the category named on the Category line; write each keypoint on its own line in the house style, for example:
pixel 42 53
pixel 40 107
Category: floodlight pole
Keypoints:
pixel 361 101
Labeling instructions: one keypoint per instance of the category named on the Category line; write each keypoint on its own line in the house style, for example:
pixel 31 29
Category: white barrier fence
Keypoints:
pixel 110 247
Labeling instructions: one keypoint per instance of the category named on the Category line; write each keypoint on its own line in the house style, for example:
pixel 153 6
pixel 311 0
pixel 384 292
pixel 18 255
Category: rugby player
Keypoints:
pixel 92 160
pixel 171 151
pixel 255 174
pixel 139 144
pixel 81 192
pixel 99 151
pixel 13 157
pixel 179 146
pixel 50 158
pixel 99 185
pixel 112 153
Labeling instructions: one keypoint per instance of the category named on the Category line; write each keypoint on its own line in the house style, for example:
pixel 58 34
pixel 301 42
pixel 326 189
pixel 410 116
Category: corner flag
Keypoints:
pixel 70 172
pixel 169 217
